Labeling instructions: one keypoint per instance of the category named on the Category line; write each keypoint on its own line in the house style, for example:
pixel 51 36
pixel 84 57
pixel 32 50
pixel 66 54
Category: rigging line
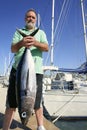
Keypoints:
pixel 57 26
pixel 9 65
pixel 68 103
pixel 64 105
pixel 59 17
pixel 41 24
pixel 64 15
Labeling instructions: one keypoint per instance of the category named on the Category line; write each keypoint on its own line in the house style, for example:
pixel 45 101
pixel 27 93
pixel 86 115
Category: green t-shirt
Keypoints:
pixel 36 52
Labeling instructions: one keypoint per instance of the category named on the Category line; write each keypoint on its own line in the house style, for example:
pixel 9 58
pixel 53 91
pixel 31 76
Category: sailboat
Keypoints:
pixel 65 90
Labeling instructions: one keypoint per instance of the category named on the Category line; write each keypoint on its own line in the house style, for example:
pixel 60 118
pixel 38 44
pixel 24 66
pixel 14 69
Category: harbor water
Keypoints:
pixel 72 125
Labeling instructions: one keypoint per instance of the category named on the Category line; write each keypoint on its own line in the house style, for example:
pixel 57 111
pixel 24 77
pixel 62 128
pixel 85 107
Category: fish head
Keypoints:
pixel 27 108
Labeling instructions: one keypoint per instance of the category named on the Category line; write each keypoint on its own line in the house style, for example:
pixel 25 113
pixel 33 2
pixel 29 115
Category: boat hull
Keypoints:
pixel 66 105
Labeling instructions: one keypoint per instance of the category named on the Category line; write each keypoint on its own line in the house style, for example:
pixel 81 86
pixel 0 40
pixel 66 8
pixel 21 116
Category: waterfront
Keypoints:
pixel 72 125
pixel 61 124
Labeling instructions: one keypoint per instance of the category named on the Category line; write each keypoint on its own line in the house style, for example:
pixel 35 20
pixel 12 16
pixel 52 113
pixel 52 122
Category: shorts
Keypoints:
pixel 11 93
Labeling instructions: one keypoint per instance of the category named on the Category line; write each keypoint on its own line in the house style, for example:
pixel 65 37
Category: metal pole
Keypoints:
pixel 52 35
pixel 84 26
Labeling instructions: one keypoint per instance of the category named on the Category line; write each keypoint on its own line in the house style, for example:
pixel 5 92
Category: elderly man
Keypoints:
pixel 37 45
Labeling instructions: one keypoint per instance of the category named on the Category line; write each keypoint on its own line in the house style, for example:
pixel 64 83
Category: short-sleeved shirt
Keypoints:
pixel 40 36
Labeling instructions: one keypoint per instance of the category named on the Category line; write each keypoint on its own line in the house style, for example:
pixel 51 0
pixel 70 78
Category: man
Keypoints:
pixel 37 45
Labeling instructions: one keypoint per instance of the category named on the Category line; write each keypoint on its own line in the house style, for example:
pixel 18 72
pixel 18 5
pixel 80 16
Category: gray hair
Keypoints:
pixel 32 11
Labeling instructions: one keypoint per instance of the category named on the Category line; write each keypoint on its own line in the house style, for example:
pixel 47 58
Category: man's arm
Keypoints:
pixel 27 42
pixel 41 46
pixel 16 47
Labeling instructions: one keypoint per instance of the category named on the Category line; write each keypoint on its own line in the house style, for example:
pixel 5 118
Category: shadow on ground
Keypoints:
pixel 15 124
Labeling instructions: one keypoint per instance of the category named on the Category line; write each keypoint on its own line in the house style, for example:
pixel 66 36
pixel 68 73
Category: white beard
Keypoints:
pixel 30 25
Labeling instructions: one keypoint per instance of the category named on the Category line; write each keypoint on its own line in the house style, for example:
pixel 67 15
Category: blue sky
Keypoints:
pixel 69 50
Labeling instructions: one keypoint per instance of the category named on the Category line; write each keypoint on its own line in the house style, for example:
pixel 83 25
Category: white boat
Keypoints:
pixel 4 81
pixel 65 92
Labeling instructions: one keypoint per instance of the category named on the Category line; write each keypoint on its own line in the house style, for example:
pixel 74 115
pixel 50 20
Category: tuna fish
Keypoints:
pixel 26 85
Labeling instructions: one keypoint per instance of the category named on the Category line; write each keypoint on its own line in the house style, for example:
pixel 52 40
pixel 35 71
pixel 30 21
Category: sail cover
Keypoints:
pixel 81 70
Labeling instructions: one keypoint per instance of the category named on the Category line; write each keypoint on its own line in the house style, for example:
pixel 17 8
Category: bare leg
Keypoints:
pixel 9 115
pixel 39 116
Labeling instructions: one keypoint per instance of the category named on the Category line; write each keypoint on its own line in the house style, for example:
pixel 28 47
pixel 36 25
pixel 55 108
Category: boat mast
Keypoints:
pixel 52 35
pixel 84 26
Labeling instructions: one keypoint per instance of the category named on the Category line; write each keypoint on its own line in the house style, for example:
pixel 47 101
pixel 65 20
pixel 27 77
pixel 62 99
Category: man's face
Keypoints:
pixel 30 20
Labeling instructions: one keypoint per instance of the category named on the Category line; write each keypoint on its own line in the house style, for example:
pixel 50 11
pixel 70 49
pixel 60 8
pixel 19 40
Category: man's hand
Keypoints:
pixel 28 41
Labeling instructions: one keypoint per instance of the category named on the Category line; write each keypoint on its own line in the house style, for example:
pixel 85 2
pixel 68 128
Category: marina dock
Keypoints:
pixel 16 124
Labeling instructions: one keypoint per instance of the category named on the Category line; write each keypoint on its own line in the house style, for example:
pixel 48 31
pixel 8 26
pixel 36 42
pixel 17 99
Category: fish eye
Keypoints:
pixel 23 115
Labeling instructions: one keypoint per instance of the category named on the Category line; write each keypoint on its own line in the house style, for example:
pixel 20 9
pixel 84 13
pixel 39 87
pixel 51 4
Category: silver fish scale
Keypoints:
pixel 26 86
pixel 28 76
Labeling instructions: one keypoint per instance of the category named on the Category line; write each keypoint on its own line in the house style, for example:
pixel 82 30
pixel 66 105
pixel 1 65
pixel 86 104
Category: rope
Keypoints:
pixel 67 103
